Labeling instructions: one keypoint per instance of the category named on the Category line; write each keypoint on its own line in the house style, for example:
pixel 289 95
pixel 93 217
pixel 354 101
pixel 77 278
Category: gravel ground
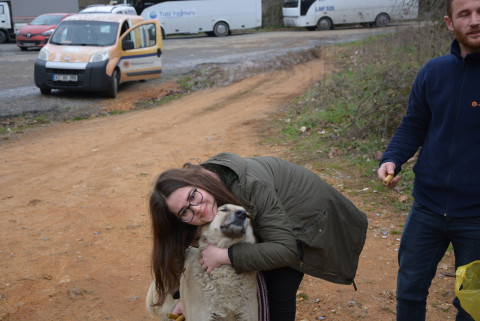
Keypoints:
pixel 25 106
pixel 203 62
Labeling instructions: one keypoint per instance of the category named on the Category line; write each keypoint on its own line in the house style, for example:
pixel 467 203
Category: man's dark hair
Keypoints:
pixel 449 8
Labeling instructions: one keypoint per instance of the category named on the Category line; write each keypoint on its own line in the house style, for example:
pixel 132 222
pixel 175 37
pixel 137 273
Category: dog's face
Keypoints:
pixel 231 225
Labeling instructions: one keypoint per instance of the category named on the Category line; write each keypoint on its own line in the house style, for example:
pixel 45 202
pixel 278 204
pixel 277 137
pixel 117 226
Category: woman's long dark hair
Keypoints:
pixel 170 235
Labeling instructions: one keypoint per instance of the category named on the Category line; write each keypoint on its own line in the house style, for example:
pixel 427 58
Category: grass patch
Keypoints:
pixel 41 119
pixel 303 296
pixel 78 118
pixel 450 248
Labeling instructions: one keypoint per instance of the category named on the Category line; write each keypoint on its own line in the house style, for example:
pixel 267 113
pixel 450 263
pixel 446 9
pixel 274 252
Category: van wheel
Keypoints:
pixel 113 90
pixel 382 20
pixel 3 37
pixel 220 29
pixel 45 91
pixel 23 48
pixel 324 24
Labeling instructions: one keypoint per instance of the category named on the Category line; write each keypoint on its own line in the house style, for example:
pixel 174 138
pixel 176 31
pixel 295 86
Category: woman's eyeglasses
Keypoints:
pixel 195 198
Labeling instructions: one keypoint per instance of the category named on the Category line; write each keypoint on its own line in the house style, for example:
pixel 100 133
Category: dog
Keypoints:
pixel 223 294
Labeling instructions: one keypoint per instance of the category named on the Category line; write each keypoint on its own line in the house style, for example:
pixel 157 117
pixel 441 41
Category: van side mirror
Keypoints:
pixel 127 44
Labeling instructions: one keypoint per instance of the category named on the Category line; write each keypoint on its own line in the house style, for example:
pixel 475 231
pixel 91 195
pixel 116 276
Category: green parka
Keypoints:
pixel 299 220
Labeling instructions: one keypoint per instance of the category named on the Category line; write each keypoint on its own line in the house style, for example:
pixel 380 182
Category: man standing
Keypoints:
pixel 443 118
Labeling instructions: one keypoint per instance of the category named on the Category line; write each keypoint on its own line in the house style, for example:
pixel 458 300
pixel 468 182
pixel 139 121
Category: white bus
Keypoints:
pixel 213 17
pixel 325 14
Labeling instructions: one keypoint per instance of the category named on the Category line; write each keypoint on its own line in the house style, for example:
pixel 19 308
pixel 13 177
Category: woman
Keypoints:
pixel 302 225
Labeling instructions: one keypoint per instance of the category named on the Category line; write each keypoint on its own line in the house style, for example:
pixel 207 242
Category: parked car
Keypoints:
pixel 94 52
pixel 36 33
pixel 116 9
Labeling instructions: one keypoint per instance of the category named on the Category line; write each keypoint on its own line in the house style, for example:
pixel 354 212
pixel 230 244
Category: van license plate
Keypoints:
pixel 65 77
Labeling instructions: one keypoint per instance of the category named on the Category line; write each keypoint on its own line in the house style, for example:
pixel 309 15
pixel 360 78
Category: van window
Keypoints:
pixel 290 3
pixel 85 33
pixel 125 27
pixel 143 36
pixel 305 5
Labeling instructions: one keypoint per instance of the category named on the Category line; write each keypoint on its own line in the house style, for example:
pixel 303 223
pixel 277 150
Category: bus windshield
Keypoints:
pixel 290 3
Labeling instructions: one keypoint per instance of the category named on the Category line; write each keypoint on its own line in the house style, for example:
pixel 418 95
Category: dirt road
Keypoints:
pixel 75 239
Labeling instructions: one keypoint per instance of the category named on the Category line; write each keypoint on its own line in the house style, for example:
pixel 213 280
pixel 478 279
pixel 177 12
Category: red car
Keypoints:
pixel 37 32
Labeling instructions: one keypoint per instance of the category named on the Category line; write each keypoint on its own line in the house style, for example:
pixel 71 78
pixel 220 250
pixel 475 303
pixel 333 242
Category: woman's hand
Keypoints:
pixel 178 310
pixel 213 257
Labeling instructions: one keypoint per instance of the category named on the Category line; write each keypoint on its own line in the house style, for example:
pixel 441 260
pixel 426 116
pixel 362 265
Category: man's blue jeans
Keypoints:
pixel 425 239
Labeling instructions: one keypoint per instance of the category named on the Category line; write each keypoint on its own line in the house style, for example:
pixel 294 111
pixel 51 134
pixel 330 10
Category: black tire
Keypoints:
pixel 113 90
pixel 382 20
pixel 324 24
pixel 45 91
pixel 311 28
pixel 221 29
pixel 3 37
pixel 23 48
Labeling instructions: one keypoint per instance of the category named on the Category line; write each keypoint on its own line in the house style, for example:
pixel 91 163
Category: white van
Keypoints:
pixel 116 9
pixel 325 14
pixel 7 26
pixel 214 17
pixel 94 52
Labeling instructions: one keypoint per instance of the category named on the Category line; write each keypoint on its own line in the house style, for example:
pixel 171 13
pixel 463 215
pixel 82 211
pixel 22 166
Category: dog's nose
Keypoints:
pixel 241 214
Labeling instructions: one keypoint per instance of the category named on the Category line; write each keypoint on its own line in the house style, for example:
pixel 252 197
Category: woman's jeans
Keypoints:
pixel 425 239
pixel 282 286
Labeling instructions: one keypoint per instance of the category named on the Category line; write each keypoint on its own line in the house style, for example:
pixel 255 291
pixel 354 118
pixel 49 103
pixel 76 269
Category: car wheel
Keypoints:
pixel 23 48
pixel 220 29
pixel 45 91
pixel 324 24
pixel 113 90
pixel 382 20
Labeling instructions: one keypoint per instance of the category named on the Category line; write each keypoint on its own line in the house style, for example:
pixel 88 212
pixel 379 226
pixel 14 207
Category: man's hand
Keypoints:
pixel 388 168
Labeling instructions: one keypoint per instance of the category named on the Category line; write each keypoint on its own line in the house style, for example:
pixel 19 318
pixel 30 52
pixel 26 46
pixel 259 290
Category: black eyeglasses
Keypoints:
pixel 195 198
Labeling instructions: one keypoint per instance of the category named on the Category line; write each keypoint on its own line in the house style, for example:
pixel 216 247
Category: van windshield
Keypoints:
pixel 85 33
pixel 290 3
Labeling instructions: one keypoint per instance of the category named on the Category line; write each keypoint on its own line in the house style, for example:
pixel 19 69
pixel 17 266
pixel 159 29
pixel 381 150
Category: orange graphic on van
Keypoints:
pixel 126 64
